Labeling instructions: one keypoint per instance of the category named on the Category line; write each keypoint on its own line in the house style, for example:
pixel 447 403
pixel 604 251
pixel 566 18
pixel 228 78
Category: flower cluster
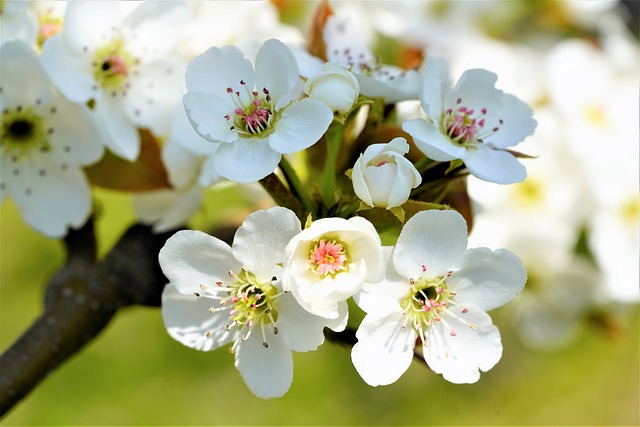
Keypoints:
pixel 367 162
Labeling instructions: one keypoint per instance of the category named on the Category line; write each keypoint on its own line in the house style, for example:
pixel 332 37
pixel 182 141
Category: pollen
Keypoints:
pixel 328 257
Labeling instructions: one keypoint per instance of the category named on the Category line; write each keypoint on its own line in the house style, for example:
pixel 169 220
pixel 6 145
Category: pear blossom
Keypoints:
pixel 347 48
pixel 335 86
pixel 473 122
pixel 18 22
pixel 45 142
pixel 220 294
pixel 122 60
pixel 437 291
pixel 383 177
pixel 254 114
pixel 329 261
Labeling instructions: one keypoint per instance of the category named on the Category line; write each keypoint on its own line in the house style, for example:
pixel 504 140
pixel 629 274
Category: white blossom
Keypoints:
pixel 45 142
pixel 220 294
pixel 255 114
pixel 123 60
pixel 335 86
pixel 437 291
pixel 383 177
pixel 329 261
pixel 473 121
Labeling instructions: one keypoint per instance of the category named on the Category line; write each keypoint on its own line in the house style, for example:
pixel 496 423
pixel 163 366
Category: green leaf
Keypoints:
pixel 412 207
pixel 398 212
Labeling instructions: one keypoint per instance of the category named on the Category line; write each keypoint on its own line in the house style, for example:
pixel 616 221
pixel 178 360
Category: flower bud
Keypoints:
pixel 335 86
pixel 383 177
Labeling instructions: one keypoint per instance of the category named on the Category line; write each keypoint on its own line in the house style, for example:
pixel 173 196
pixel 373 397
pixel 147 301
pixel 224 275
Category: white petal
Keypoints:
pixel 301 125
pixel 429 243
pixel 23 78
pixel 344 43
pixel 428 139
pixel 154 27
pixel 267 371
pixel 277 71
pixel 299 329
pixel 50 197
pixel 384 296
pixel 181 164
pixel 70 70
pixel 76 137
pixel 518 123
pixel 246 160
pixel 259 243
pixel 360 186
pixel 192 258
pixel 88 24
pixel 435 86
pixel 487 279
pixel 404 86
pixel 121 135
pixel 208 174
pixel 183 133
pixel 188 320
pixel 384 349
pixel 207 115
pixel 495 165
pixel 151 97
pixel 458 351
pixel 218 69
pixel 476 90
pixel 167 209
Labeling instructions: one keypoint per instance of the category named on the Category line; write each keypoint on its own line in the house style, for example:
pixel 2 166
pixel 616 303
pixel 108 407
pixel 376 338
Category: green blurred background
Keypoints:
pixel 135 374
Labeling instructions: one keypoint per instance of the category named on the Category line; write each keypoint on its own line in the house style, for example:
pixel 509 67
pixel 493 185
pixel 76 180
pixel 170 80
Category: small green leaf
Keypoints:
pixel 412 207
pixel 453 165
pixel 363 207
pixel 398 212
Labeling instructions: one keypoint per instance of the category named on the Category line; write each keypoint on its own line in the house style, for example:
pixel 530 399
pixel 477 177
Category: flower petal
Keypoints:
pixel 259 243
pixel 153 28
pixel 495 165
pixel 192 258
pixel 384 350
pixel 207 114
pixel 435 87
pixel 384 296
pixel 167 209
pixel 70 70
pixel 428 139
pixel 429 243
pixel 277 71
pixel 87 24
pixel 267 371
pixel 189 321
pixel 476 90
pixel 51 202
pixel 301 125
pixel 76 138
pixel 218 69
pixel 299 329
pixel 122 135
pixel 246 160
pixel 487 279
pixel 458 351
pixel 518 123
pixel 20 64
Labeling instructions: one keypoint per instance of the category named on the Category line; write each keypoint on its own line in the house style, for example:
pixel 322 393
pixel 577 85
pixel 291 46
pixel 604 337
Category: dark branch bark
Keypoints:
pixel 80 300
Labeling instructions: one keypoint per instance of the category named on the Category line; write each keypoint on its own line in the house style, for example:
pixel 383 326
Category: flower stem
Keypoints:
pixel 296 186
pixel 328 182
pixel 282 195
pixel 421 165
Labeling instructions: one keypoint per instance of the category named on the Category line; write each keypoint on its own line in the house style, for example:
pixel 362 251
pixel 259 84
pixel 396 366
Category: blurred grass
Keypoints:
pixel 135 374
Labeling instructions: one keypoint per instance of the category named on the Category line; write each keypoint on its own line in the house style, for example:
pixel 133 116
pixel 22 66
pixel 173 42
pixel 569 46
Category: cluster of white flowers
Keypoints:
pixel 358 148
pixel 277 287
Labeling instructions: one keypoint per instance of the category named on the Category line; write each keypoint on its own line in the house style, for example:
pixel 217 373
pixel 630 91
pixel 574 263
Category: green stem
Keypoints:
pixel 423 164
pixel 328 182
pixel 296 185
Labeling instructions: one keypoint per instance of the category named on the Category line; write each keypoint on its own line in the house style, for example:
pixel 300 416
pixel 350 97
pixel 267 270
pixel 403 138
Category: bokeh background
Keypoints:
pixel 576 63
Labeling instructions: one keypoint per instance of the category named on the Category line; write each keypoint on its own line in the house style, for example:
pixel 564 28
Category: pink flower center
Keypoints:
pixel 465 125
pixel 253 117
pixel 115 65
pixel 328 257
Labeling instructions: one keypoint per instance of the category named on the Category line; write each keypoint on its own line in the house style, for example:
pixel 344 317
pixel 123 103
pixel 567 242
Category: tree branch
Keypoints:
pixel 80 300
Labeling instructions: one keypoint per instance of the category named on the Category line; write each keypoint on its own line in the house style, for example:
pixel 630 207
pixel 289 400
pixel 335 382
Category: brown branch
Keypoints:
pixel 80 300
